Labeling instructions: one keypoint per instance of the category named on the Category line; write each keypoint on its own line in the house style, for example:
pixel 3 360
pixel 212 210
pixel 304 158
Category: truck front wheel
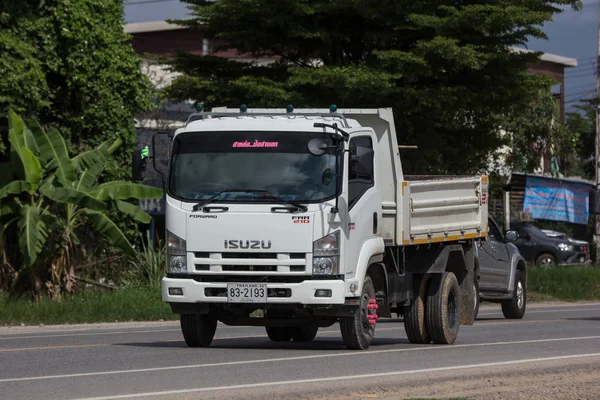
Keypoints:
pixel 198 329
pixel 443 308
pixel 358 331
pixel 278 333
pixel 304 334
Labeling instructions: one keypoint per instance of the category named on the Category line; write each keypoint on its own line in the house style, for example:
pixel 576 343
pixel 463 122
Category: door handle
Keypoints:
pixel 375 223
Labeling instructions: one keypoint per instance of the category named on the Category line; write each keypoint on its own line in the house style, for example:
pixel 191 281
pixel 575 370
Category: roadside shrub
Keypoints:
pixel 568 283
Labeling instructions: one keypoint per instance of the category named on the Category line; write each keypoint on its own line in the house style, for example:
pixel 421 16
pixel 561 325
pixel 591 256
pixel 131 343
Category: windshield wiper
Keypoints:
pixel 299 206
pixel 265 195
pixel 204 202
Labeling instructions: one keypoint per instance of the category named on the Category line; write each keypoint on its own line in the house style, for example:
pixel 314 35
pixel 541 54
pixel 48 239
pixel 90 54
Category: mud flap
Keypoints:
pixel 467 291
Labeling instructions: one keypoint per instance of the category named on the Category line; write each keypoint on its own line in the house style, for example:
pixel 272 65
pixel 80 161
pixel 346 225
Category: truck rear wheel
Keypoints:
pixel 304 334
pixel 443 308
pixel 358 331
pixel 279 333
pixel 414 316
pixel 198 329
pixel 476 306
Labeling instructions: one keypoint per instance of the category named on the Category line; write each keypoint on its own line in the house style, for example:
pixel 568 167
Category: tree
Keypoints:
pixel 69 63
pixel 51 199
pixel 446 68
pixel 582 125
pixel 536 132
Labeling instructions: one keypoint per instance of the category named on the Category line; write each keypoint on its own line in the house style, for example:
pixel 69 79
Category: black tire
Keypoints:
pixel 515 307
pixel 198 329
pixel 414 316
pixel 278 333
pixel 476 307
pixel 443 308
pixel 304 334
pixel 545 260
pixel 357 332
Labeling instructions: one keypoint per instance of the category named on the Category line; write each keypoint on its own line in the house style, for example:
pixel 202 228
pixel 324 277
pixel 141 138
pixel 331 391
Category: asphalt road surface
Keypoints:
pixel 150 360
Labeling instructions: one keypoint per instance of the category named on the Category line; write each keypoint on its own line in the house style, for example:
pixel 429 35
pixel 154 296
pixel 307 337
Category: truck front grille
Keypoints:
pixel 260 256
pixel 251 263
pixel 244 268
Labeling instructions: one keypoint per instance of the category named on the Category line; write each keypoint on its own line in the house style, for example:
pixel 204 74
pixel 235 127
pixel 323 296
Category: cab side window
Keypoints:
pixel 361 175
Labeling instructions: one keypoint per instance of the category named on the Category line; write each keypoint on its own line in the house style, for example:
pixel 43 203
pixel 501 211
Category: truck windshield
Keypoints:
pixel 241 164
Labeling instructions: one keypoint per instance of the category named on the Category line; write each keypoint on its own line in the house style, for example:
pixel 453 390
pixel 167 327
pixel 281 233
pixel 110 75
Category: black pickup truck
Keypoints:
pixel 549 249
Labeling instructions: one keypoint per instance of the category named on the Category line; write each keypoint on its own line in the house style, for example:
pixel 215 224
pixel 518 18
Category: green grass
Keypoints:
pixel 130 304
pixel 535 297
pixel 565 283
pixel 145 304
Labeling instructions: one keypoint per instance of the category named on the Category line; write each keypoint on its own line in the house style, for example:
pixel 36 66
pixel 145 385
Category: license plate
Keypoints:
pixel 247 292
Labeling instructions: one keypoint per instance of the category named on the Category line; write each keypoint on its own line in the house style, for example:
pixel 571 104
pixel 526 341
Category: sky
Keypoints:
pixel 571 34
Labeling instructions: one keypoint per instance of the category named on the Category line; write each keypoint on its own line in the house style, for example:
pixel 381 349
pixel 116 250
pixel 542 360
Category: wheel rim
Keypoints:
pixel 547 261
pixel 452 311
pixel 520 296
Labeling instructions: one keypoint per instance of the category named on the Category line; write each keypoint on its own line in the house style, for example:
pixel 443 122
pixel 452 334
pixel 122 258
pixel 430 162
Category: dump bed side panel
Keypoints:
pixel 442 210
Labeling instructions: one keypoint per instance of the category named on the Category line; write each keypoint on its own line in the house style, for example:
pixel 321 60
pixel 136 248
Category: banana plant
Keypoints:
pixel 51 195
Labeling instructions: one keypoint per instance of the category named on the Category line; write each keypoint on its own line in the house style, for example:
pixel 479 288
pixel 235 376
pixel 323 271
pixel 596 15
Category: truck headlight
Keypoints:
pixel 326 255
pixel 176 254
pixel 565 247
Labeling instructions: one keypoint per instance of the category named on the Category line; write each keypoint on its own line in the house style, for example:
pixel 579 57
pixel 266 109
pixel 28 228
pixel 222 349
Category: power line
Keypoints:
pixel 580 87
pixel 581 75
pixel 577 100
pixel 580 92
pixel 582 67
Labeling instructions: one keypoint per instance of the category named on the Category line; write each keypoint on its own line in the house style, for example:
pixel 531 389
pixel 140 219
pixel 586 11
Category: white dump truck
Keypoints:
pixel 300 219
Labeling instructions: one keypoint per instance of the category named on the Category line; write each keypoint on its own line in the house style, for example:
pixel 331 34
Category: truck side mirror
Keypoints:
pixel 361 163
pixel 138 163
pixel 511 236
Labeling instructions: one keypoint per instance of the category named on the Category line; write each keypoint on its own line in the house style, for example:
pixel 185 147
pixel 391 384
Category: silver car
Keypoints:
pixel 502 274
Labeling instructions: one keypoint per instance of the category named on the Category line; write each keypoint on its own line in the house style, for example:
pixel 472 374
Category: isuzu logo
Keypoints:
pixel 247 244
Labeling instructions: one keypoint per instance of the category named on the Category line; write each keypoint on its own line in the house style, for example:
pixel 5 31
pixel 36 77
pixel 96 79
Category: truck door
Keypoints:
pixel 364 198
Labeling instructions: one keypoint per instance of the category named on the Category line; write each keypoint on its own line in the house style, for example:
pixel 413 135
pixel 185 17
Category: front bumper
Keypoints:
pixel 300 293
pixel 573 258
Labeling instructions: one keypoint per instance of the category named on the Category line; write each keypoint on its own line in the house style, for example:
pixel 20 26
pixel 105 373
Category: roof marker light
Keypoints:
pixel 243 108
pixel 289 108
pixel 199 107
pixel 333 108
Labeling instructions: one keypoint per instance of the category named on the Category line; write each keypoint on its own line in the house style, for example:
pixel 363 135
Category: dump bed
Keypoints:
pixel 441 209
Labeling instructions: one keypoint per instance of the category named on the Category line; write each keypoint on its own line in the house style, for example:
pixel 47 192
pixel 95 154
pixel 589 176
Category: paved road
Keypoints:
pixel 126 361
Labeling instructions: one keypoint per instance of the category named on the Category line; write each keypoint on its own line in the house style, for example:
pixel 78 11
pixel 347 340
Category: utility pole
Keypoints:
pixel 597 105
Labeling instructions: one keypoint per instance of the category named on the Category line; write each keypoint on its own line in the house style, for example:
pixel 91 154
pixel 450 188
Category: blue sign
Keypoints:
pixel 153 206
pixel 557 200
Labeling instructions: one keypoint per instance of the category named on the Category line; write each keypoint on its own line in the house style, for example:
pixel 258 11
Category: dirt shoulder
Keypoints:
pixel 574 380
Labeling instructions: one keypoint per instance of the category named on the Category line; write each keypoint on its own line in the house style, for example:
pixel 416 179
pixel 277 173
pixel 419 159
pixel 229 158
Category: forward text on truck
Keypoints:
pixel 297 220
